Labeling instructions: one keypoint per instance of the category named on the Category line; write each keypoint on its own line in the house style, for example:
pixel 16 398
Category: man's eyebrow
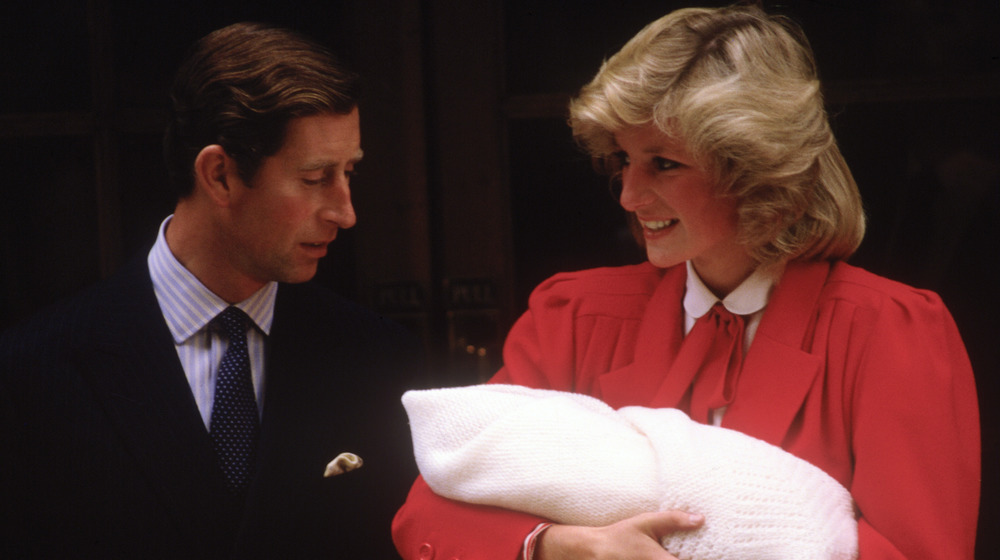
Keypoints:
pixel 324 164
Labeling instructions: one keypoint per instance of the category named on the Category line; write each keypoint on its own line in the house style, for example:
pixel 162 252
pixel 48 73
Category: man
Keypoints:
pixel 136 424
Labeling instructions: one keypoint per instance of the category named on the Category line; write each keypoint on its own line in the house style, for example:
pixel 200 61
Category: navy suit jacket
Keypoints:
pixel 105 455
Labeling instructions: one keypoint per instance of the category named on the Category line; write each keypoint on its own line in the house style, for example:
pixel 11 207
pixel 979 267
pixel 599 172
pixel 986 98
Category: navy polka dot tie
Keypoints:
pixel 235 424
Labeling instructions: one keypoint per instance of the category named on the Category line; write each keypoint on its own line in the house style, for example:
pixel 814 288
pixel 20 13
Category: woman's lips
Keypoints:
pixel 657 225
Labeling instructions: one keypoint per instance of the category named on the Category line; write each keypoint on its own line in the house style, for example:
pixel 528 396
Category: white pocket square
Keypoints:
pixel 345 462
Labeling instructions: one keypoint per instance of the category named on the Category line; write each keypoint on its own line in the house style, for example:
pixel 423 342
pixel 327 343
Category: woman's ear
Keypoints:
pixel 214 174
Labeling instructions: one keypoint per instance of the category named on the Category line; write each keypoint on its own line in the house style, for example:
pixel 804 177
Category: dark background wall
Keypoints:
pixel 472 191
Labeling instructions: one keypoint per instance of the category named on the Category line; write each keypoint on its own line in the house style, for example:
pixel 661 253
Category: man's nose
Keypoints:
pixel 338 208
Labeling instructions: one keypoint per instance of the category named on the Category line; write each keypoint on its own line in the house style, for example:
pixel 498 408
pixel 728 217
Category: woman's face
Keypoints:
pixel 681 215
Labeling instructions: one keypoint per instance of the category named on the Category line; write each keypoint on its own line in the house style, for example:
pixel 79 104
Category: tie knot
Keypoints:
pixel 233 322
pixel 724 315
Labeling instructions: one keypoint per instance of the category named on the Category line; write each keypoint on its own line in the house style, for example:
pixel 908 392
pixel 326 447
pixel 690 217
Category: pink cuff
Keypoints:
pixel 528 551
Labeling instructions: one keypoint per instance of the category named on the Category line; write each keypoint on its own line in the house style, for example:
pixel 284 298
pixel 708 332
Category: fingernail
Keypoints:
pixel 695 518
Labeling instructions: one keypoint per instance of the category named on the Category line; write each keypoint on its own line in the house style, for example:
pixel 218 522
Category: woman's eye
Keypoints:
pixel 664 164
pixel 621 159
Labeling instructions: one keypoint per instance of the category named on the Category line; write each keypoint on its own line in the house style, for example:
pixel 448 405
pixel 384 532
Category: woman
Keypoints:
pixel 746 314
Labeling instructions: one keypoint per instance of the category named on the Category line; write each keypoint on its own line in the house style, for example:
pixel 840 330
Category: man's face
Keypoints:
pixel 299 198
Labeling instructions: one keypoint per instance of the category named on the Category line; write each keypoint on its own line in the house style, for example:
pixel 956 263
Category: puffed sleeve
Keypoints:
pixel 915 435
pixel 538 349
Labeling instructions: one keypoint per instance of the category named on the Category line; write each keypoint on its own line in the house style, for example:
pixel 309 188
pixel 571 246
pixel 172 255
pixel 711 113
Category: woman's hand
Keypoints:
pixel 635 538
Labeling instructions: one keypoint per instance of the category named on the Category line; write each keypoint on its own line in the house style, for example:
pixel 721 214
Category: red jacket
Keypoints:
pixel 862 376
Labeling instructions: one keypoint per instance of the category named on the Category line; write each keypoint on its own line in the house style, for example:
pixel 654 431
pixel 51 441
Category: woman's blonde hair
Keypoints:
pixel 739 88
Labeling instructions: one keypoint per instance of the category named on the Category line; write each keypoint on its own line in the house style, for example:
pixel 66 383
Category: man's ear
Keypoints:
pixel 215 174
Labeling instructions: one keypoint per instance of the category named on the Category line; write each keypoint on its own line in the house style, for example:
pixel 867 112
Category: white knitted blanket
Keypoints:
pixel 572 459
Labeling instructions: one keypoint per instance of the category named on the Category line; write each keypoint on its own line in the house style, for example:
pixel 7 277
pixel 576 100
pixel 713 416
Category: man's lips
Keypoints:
pixel 321 243
pixel 317 248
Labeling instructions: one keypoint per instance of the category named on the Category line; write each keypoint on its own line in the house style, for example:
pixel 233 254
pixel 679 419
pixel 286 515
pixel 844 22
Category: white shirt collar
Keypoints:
pixel 748 298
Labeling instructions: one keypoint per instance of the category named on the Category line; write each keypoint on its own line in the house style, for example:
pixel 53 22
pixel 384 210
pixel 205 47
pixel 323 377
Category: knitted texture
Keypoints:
pixel 572 459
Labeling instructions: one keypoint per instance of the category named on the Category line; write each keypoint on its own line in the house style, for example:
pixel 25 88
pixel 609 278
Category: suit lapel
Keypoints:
pixel 137 377
pixel 299 404
pixel 777 373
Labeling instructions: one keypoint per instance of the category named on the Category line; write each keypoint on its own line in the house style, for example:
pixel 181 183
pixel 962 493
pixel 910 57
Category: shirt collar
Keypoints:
pixel 187 305
pixel 748 298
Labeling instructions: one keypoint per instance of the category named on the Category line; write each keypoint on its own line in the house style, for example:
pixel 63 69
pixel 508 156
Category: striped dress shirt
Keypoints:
pixel 188 307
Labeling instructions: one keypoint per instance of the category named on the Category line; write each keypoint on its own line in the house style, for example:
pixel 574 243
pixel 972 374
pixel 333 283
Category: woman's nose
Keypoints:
pixel 633 191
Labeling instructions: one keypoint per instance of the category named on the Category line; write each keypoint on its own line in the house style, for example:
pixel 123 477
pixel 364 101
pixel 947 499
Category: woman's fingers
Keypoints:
pixel 635 538
pixel 660 524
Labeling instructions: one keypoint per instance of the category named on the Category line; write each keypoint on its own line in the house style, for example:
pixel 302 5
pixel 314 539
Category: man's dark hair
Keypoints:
pixel 240 86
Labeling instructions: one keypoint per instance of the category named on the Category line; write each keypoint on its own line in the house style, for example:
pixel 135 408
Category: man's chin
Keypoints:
pixel 299 275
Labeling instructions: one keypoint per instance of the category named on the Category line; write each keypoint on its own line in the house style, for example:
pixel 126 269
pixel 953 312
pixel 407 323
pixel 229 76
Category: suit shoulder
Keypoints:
pixel 59 325
pixel 80 315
